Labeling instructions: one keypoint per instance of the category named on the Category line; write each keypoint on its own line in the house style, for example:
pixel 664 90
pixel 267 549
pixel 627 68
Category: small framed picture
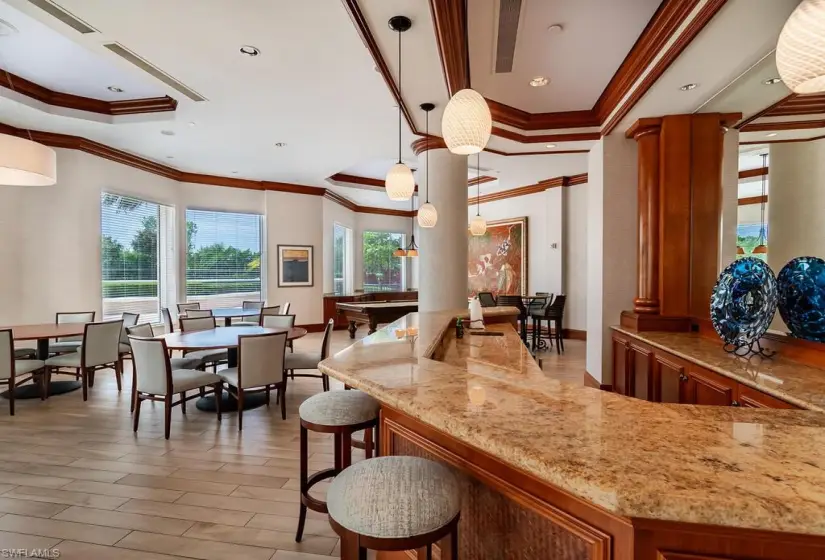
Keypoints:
pixel 295 266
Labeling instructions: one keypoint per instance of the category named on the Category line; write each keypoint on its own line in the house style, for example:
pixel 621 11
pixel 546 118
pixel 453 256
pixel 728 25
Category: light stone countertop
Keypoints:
pixel 761 469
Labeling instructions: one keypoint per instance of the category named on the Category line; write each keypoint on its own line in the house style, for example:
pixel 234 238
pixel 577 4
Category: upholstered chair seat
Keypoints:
pixel 303 360
pixel 339 408
pixel 27 366
pixel 187 379
pixel 13 372
pixel 25 353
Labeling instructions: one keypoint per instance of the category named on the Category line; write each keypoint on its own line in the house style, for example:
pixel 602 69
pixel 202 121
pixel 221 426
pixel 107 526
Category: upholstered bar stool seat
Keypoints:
pixel 340 413
pixel 395 503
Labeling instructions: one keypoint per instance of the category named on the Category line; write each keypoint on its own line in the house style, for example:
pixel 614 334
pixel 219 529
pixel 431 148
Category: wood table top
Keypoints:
pixel 46 330
pixel 223 312
pixel 221 337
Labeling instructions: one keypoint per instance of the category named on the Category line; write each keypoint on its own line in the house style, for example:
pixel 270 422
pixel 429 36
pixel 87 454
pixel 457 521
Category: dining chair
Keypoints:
pixel 515 301
pixel 10 369
pixel 157 380
pixel 182 307
pixel 269 311
pixel 197 313
pixel 486 299
pixel 99 350
pixel 69 343
pixel 208 357
pixel 251 321
pixel 554 315
pixel 129 320
pixel 539 302
pixel 260 368
pixel 310 360
pixel 285 309
pixel 280 322
pixel 168 324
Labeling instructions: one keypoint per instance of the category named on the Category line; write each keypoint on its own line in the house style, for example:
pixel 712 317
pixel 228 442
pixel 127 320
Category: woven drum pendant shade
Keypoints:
pixel 800 52
pixel 466 123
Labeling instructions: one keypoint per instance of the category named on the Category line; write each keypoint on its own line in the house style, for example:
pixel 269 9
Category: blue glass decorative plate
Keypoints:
pixel 801 285
pixel 743 302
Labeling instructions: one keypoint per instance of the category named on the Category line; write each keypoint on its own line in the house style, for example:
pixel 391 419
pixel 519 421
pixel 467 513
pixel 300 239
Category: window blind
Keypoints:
pixel 129 255
pixel 223 258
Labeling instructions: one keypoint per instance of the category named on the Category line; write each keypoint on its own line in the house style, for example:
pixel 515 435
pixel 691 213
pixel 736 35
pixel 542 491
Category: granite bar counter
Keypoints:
pixel 555 470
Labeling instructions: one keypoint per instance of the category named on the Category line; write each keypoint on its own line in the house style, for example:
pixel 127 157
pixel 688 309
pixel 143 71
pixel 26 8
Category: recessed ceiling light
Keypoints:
pixel 688 87
pixel 539 81
pixel 551 145
pixel 772 81
pixel 280 144
pixel 234 173
pixel 249 50
pixel 114 89
pixel 556 28
pixel 170 157
pixel 191 123
pixel 771 135
pixel 168 132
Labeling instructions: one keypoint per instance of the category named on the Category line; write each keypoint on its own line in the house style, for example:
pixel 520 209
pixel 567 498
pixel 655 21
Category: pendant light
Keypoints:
pixel 762 248
pixel 478 226
pixel 411 250
pixel 800 51
pixel 427 214
pixel 24 162
pixel 740 250
pixel 400 183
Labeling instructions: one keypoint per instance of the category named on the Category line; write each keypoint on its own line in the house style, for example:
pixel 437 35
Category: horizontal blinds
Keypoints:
pixel 223 258
pixel 382 271
pixel 129 229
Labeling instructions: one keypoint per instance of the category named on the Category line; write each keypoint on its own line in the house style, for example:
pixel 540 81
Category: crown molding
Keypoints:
pixel 371 182
pixel 450 23
pixel 753 200
pixel 579 179
pixel 782 125
pixel 748 173
pixel 554 153
pixel 57 99
pixel 544 138
pixel 788 141
pixel 480 180
pixel 510 116
pixel 430 142
pixel 792 105
pixel 541 186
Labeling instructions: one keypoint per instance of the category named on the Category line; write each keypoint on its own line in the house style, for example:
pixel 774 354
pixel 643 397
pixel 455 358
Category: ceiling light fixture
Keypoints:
pixel 427 213
pixel 249 50
pixel 539 81
pixel 114 89
pixel 771 134
pixel 551 145
pixel 800 51
pixel 191 123
pixel 772 81
pixel 688 87
pixel 478 225
pixel 400 183
pixel 280 144
pixel 466 123
pixel 168 132
pixel 555 29
pixel 170 157
pixel 411 250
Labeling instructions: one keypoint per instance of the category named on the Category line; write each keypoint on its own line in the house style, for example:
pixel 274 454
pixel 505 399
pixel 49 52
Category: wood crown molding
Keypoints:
pixel 80 103
pixel 783 125
pixel 450 23
pixel 753 200
pixel 541 186
pixel 372 182
pixel 792 105
pixel 788 141
pixel 748 173
pixel 654 124
pixel 350 205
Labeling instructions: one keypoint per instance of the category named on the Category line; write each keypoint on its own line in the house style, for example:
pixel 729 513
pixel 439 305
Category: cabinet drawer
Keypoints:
pixel 752 398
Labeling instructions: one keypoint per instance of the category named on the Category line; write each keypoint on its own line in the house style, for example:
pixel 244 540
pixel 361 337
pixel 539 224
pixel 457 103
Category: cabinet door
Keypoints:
pixel 751 398
pixel 641 373
pixel 621 356
pixel 706 387
pixel 669 380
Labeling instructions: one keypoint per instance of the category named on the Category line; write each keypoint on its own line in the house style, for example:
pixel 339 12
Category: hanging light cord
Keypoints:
pixel 762 229
pixel 427 169
pixel 399 96
pixel 478 184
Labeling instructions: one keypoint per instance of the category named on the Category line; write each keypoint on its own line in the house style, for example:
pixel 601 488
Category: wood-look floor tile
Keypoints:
pixel 320 527
pixel 172 461
pixel 61 529
pixel 6 487
pixel 289 555
pixel 27 507
pixel 65 497
pixel 20 479
pixel 26 542
pixel 235 504
pixel 282 472
pixel 182 484
pixel 221 457
pixel 295 484
pixel 271 494
pixel 281 540
pixel 222 476
pixel 69 451
pixel 123 520
pixel 193 548
pixel 123 467
pixel 71 550
pixel 39 459
pixel 60 471
pixel 121 448
pixel 188 512
pixel 124 490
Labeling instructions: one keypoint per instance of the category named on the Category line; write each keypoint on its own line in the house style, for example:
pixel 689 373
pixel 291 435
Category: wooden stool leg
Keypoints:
pixel 346 450
pixel 302 516
pixel 350 549
pixel 368 443
pixel 338 464
pixel 449 545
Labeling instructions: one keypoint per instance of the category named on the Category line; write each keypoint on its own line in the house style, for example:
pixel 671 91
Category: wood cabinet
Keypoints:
pixel 645 372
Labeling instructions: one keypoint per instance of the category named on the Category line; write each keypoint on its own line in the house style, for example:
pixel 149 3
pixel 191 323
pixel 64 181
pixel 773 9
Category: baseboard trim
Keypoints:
pixel 593 383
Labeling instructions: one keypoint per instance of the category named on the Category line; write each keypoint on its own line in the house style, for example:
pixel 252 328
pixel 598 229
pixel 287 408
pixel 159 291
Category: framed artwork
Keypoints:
pixel 497 260
pixel 295 266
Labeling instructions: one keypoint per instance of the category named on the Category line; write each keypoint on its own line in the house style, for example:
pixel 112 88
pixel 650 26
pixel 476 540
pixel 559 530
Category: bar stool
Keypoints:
pixel 395 503
pixel 334 412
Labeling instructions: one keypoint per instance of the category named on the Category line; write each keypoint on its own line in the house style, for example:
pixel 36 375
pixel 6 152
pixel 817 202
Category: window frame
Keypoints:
pixel 349 254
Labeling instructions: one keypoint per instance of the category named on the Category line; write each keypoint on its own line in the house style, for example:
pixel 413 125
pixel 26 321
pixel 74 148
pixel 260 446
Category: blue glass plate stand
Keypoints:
pixel 801 285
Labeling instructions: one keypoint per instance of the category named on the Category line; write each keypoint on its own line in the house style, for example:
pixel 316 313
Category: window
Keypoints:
pixel 341 259
pixel 382 271
pixel 223 258
pixel 136 245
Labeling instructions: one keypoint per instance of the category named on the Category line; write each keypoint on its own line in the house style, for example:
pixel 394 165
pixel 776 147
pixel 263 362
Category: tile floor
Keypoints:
pixel 74 477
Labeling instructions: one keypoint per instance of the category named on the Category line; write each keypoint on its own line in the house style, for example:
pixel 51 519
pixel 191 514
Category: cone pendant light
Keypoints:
pixel 478 225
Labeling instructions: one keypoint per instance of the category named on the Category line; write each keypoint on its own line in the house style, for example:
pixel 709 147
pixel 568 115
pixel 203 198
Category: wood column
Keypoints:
pixel 647 248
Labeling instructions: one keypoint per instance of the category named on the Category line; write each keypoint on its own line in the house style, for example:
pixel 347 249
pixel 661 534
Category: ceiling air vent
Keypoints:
pixel 509 12
pixel 66 17
pixel 156 72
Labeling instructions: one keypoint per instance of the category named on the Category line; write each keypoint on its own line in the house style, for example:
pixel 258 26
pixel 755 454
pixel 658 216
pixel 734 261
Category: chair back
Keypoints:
pixel 197 313
pixel 540 303
pixel 143 331
pixel 556 307
pixel 152 368
pixel 168 325
pixel 325 346
pixel 191 324
pixel 6 354
pixel 512 301
pixel 101 343
pixel 129 320
pixel 278 321
pixel 285 310
pixel 254 304
pixel 187 306
pixel 486 299
pixel 73 317
pixel 261 359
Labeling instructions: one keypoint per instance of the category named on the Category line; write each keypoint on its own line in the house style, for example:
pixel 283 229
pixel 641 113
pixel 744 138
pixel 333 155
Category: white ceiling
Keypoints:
pixel 579 61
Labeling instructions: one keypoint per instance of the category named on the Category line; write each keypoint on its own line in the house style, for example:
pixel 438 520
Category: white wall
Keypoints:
pixel 575 256
pixel 730 198
pixel 334 214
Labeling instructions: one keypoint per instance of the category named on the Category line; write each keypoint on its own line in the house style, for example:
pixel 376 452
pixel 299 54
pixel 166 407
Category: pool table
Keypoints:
pixel 374 313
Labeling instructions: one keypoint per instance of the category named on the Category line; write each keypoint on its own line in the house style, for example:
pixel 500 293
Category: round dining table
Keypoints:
pixel 229 313
pixel 217 339
pixel 42 333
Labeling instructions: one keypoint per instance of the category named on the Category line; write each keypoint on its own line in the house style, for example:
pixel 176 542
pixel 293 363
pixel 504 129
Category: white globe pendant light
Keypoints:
pixel 400 183
pixel 427 214
pixel 800 52
pixel 26 163
pixel 466 123
pixel 478 225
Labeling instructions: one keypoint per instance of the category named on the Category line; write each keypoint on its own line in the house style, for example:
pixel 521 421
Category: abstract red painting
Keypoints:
pixel 497 260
